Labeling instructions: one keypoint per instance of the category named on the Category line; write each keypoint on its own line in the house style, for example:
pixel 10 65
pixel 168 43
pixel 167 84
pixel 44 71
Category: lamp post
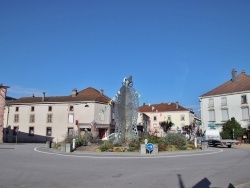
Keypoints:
pixel 233 133
pixel 16 134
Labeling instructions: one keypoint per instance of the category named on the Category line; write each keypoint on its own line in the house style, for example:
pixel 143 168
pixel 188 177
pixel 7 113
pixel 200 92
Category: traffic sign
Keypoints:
pixel 150 147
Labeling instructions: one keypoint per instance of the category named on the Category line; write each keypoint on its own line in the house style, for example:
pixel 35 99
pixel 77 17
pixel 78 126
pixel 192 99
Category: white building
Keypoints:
pixel 228 100
pixel 178 115
pixel 39 119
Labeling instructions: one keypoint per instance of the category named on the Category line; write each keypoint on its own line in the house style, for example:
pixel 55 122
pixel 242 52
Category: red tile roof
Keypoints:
pixel 162 107
pixel 242 84
pixel 88 94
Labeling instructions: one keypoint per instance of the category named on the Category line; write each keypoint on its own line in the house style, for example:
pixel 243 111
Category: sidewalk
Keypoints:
pixel 242 145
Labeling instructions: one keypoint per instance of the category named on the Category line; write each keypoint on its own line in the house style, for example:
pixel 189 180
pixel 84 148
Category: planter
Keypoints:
pixel 48 144
pixel 144 150
pixel 68 147
pixel 204 145
pixel 63 147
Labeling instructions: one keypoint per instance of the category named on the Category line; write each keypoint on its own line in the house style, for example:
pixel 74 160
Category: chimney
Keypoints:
pixel 101 91
pixel 243 72
pixel 33 95
pixel 43 98
pixel 234 75
pixel 74 92
pixel 177 105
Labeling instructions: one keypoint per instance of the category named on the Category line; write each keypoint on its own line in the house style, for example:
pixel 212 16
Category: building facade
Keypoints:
pixel 179 116
pixel 3 92
pixel 39 119
pixel 228 100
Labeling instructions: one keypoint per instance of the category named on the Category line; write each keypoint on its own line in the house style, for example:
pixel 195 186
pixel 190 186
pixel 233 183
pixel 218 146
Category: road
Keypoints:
pixel 22 166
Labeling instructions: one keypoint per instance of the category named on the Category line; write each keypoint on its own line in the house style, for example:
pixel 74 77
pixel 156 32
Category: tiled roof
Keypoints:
pixel 162 107
pixel 241 84
pixel 88 94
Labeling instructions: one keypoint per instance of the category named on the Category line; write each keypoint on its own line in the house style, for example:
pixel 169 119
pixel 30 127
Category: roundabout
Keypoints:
pixel 32 165
pixel 129 155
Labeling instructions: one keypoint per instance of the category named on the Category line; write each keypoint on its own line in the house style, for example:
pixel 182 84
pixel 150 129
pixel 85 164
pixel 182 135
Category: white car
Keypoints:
pixel 111 136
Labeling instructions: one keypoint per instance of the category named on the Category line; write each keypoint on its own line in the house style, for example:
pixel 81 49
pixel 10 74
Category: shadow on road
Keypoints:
pixel 204 183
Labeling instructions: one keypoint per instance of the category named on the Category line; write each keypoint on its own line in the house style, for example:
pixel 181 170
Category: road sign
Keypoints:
pixel 150 147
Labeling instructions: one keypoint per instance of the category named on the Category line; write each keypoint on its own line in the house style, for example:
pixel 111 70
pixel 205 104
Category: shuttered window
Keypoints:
pixel 211 115
pixel 225 114
pixel 245 113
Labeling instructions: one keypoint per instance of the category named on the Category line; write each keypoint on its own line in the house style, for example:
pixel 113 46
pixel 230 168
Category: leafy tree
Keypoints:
pixel 230 128
pixel 166 125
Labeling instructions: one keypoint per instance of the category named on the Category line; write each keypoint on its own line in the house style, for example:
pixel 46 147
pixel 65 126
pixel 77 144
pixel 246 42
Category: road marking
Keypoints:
pixel 243 185
pixel 129 156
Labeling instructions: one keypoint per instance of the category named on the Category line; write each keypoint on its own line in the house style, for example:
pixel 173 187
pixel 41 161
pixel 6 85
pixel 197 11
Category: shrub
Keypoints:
pixel 120 149
pixel 175 139
pixel 171 148
pixel 106 146
pixel 131 149
pixel 98 150
pixel 161 147
pixel 182 147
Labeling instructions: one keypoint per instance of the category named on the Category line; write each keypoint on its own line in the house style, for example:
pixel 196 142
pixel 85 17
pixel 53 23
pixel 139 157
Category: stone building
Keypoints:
pixel 3 92
pixel 39 119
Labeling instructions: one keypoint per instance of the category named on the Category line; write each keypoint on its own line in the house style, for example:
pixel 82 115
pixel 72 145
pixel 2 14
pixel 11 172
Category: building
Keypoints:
pixel 179 116
pixel 142 123
pixel 231 99
pixel 39 119
pixel 3 92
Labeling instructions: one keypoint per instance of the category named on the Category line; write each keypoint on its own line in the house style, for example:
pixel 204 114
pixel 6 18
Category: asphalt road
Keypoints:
pixel 22 166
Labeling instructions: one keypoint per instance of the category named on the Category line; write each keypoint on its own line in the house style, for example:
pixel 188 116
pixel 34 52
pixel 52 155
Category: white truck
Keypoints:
pixel 212 136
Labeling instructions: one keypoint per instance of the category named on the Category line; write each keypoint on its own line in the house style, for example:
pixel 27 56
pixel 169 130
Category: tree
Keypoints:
pixel 232 129
pixel 166 125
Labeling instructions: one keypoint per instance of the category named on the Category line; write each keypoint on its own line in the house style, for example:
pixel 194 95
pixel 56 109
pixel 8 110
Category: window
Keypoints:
pixel 71 118
pixel 211 103
pixel 48 131
pixel 32 118
pixel 70 131
pixel 245 113
pixel 243 99
pixel 16 118
pixel 17 109
pixel 169 117
pixel 31 131
pixel 71 108
pixel 32 109
pixel 155 125
pixel 50 108
pixel 224 115
pixel 155 118
pixel 15 130
pixel 211 115
pixel 223 101
pixel 182 118
pixel 102 117
pixel 49 118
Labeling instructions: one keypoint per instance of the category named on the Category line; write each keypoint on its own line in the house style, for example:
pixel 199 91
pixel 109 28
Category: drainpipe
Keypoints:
pixel 7 123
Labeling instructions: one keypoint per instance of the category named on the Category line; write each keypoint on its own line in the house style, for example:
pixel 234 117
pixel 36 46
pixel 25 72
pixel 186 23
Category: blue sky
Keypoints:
pixel 175 50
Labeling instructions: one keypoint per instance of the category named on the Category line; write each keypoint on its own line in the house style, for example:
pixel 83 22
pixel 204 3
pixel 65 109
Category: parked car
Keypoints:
pixel 109 137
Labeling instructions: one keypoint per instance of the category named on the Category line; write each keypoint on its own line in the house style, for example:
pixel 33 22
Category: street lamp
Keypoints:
pixel 233 133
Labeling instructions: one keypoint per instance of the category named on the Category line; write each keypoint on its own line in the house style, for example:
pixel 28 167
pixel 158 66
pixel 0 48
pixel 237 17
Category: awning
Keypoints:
pixel 85 126
pixel 102 126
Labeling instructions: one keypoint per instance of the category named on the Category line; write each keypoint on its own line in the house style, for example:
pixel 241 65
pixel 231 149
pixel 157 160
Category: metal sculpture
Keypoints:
pixel 126 110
